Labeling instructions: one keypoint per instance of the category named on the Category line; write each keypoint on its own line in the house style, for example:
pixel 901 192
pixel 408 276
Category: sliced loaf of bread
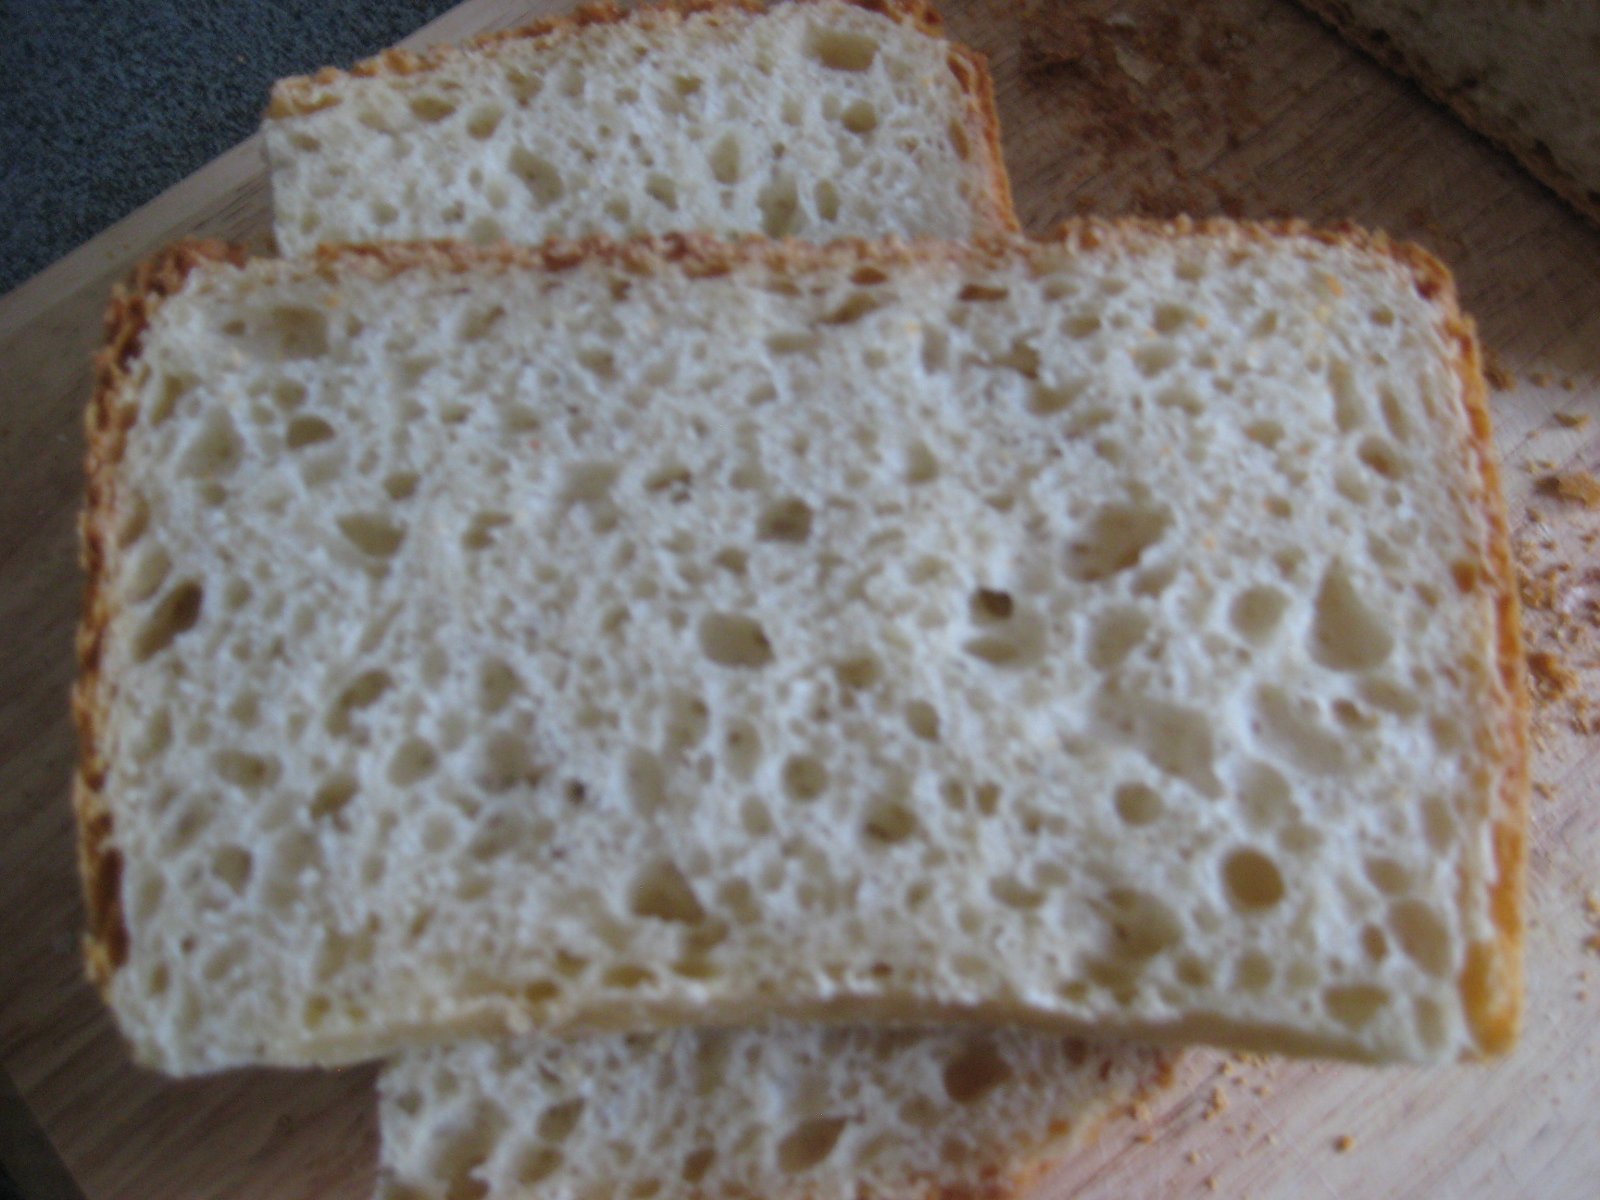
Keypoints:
pixel 1116 633
pixel 816 118
pixel 1526 74
pixel 787 1113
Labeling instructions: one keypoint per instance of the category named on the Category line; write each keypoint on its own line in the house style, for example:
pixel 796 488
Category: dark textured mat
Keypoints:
pixel 105 103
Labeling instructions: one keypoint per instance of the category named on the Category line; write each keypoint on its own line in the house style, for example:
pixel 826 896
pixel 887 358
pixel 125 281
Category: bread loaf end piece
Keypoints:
pixel 1523 75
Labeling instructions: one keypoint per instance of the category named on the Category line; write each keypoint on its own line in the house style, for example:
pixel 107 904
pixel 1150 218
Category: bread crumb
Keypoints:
pixel 1578 486
pixel 1193 1157
pixel 1541 378
pixel 1572 420
pixel 1344 1143
pixel 1218 1104
pixel 1211 1183
pixel 1554 679
pixel 1500 379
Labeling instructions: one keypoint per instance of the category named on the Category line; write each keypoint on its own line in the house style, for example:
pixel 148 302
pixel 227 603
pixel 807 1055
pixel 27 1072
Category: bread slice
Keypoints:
pixel 1114 634
pixel 1524 74
pixel 794 1113
pixel 816 118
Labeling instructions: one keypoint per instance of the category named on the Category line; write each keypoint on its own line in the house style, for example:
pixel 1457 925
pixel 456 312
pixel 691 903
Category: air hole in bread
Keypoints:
pixel 923 720
pixel 215 450
pixel 332 797
pixel 662 892
pixel 646 781
pixel 982 293
pixel 361 692
pixel 1381 458
pixel 1154 359
pixel 149 572
pixel 1265 433
pixel 1253 972
pixel 921 464
pixel 173 388
pixel 251 772
pixel 786 520
pixel 890 821
pixel 804 777
pixel 1388 876
pixel 1182 399
pixel 1352 487
pixel 1082 325
pixel 1374 944
pixel 1252 879
pixel 484 120
pixel 1114 635
pixel 1139 925
pixel 1354 1006
pixel 1255 612
pixel 935 349
pixel 232 865
pixel 860 116
pixel 497 684
pixel 779 202
pixel 1013 893
pixel 1169 318
pixel 734 640
pixel 688 719
pixel 300 332
pixel 840 49
pixel 413 761
pixel 539 174
pixel 1292 726
pixel 628 977
pixel 533 1166
pixel 1349 413
pixel 508 763
pixel 1116 539
pixel 307 430
pixel 724 159
pixel 1138 804
pixel 663 190
pixel 792 342
pixel 485 231
pixel 1422 935
pixel 176 614
pixel 1346 634
pixel 430 108
pixel 826 198
pixel 809 1144
pixel 558 1121
pixel 696 1163
pixel 373 534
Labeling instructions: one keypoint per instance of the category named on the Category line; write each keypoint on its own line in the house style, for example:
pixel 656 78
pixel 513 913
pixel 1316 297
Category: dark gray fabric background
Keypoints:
pixel 105 103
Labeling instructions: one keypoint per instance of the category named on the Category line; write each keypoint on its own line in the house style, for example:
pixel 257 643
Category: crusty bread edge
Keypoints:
pixel 1491 982
pixel 106 425
pixel 1534 155
pixel 991 201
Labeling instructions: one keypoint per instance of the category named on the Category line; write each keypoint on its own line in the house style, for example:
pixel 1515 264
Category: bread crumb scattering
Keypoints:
pixel 1500 379
pixel 1344 1143
pixel 1578 486
pixel 1572 420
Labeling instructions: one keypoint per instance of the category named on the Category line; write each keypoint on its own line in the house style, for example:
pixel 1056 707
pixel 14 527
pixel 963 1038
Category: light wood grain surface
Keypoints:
pixel 1244 107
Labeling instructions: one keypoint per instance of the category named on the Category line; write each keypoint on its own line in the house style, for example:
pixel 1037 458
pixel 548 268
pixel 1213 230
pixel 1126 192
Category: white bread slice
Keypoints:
pixel 788 1113
pixel 1111 634
pixel 817 119
pixel 1525 74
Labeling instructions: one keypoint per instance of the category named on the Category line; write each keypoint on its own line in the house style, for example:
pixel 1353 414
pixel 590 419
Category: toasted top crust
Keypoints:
pixel 1490 982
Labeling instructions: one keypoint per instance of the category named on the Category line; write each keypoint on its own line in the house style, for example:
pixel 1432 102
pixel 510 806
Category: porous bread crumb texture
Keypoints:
pixel 818 119
pixel 1523 74
pixel 1106 633
pixel 785 1113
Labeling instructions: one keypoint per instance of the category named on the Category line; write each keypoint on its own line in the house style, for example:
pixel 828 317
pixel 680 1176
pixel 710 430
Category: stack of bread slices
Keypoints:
pixel 666 619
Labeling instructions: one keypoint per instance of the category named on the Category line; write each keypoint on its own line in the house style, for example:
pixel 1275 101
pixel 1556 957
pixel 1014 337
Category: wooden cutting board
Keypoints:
pixel 1242 107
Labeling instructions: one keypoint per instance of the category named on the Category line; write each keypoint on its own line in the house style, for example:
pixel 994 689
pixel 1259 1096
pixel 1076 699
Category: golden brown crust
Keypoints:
pixel 304 94
pixel 1491 981
pixel 1530 151
pixel 106 426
